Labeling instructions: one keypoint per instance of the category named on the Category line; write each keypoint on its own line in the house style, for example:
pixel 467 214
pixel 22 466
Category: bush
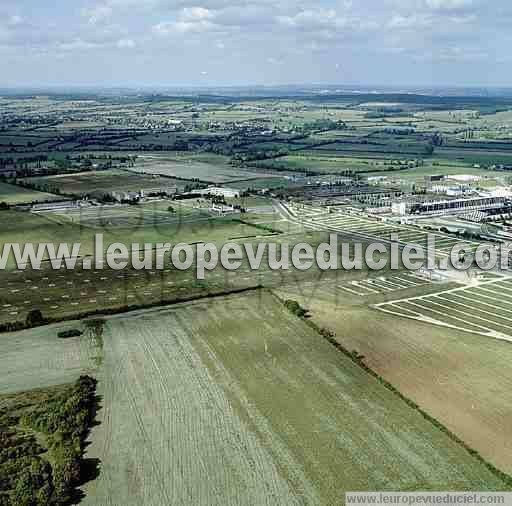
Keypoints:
pixel 294 307
pixel 64 419
pixel 35 318
pixel 69 333
pixel 33 487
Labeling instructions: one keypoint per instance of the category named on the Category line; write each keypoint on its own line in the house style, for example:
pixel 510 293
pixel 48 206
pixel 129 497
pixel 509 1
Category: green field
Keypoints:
pixel 205 139
pixel 212 391
pixel 243 392
pixel 126 224
pixel 66 293
pixel 324 163
pixel 12 194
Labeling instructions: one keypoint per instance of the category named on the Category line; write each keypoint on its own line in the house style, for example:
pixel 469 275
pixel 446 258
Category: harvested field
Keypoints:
pixel 38 358
pixel 212 169
pixel 270 414
pixel 100 182
pixel 461 379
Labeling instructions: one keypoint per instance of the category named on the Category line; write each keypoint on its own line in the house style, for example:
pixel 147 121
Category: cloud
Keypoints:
pixel 455 55
pixel 262 39
pixel 314 19
pixel 77 45
pixel 415 21
pixel 196 14
pixel 240 16
pixel 126 44
pixel 14 20
pixel 189 20
pixel 182 27
pixel 448 4
pixel 423 22
pixel 97 14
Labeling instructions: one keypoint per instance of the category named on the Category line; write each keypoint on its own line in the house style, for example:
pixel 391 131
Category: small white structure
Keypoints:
pixel 399 208
pixel 121 196
pixel 464 178
pixel 377 179
pixel 229 193
pixel 221 209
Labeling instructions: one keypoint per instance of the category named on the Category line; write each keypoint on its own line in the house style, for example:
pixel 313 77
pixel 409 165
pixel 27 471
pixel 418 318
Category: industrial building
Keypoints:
pixel 58 206
pixel 123 196
pixel 455 205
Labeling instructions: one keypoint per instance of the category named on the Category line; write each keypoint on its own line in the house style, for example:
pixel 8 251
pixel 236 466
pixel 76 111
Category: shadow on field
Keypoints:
pixel 89 467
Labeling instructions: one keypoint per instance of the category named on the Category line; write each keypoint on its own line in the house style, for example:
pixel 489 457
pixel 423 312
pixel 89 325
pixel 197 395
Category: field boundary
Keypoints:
pixel 18 326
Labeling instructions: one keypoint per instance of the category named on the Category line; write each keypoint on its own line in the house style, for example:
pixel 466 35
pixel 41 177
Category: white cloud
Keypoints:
pixel 448 4
pixel 194 14
pixel 253 39
pixel 433 22
pixel 411 22
pixel 133 3
pixel 182 27
pixel 126 44
pixel 77 45
pixel 456 55
pixel 97 14
pixel 14 20
pixel 313 19
pixel 189 20
pixel 330 24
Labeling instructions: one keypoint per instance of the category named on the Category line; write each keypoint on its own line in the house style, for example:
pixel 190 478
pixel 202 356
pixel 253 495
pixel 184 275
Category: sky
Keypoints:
pixel 255 42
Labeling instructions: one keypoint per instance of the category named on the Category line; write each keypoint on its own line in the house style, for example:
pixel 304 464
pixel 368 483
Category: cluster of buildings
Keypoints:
pixel 451 195
pixel 214 191
pixel 451 186
pixel 135 196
